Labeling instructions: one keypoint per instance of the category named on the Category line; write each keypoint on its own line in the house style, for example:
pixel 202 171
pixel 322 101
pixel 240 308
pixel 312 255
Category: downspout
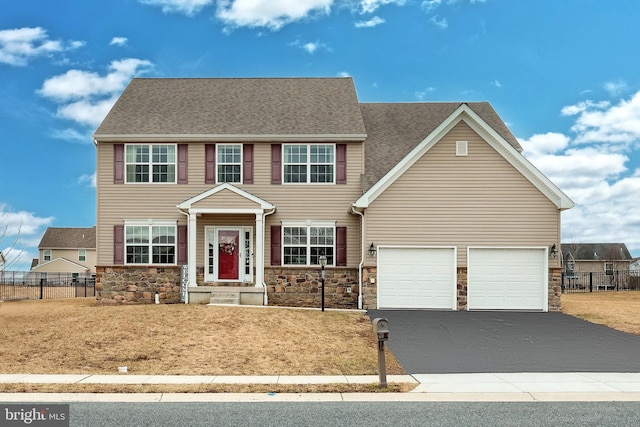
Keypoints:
pixel 186 295
pixel 361 265
pixel 265 299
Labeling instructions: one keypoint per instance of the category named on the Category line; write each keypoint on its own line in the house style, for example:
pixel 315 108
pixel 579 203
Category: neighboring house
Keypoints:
pixel 595 258
pixel 66 250
pixel 634 267
pixel 249 183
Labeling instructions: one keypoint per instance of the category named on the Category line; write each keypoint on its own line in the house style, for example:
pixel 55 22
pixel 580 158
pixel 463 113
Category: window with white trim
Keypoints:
pixel 82 255
pixel 229 162
pixel 151 163
pixel 46 256
pixel 308 163
pixel 304 243
pixel 608 268
pixel 150 242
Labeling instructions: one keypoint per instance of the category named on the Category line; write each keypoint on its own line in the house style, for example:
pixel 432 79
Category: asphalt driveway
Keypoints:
pixel 438 342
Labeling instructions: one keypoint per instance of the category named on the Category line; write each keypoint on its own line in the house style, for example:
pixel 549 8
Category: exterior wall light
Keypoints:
pixel 554 251
pixel 372 250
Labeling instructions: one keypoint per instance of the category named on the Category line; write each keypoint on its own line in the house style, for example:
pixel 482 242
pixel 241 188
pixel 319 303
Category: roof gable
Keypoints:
pixel 68 238
pixel 224 189
pixel 63 263
pixel 247 108
pixel 506 149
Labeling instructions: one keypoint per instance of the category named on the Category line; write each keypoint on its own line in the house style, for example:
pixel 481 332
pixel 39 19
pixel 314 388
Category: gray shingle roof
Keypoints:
pixel 237 106
pixel 596 251
pixel 394 129
pixel 68 238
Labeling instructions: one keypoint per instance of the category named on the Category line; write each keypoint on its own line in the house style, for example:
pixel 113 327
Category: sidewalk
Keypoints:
pixel 577 386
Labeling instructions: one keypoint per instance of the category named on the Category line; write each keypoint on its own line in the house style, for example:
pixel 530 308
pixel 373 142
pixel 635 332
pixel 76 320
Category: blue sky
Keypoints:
pixel 562 74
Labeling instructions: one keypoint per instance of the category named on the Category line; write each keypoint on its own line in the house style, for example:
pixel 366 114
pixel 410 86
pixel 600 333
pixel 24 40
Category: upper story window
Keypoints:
pixel 153 243
pixel 308 163
pixel 303 244
pixel 46 256
pixel 155 163
pixel 82 255
pixel 229 163
pixel 608 268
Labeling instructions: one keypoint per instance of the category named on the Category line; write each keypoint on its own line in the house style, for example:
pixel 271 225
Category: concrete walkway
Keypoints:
pixel 503 387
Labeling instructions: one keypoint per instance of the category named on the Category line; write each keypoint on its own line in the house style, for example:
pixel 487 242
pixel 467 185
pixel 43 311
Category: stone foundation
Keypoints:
pixel 137 285
pixel 302 287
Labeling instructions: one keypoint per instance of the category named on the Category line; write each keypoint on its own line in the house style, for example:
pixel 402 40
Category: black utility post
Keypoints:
pixel 323 263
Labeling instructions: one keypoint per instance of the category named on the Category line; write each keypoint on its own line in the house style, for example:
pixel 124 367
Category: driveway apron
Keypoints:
pixel 439 342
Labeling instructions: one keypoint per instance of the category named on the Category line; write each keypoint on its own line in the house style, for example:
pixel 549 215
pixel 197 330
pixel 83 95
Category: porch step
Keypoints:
pixel 225 298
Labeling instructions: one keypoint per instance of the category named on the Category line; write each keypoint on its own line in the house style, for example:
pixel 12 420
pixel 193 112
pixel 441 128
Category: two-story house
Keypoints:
pixel 252 183
pixel 66 250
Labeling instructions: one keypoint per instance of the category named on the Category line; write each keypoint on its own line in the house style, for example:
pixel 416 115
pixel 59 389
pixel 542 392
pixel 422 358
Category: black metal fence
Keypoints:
pixel 578 282
pixel 28 285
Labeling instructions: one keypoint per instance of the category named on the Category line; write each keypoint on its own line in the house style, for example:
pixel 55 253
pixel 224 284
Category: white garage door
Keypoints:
pixel 507 279
pixel 416 278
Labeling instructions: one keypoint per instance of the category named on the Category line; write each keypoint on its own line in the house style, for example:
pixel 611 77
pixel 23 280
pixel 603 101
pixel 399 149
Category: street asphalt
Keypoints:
pixel 444 342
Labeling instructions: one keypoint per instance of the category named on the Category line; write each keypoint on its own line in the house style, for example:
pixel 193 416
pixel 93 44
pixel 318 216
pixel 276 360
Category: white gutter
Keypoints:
pixel 265 300
pixel 186 295
pixel 361 265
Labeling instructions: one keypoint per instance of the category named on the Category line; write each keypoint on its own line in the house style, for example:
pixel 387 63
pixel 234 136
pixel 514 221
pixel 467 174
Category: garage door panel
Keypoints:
pixel 416 278
pixel 507 279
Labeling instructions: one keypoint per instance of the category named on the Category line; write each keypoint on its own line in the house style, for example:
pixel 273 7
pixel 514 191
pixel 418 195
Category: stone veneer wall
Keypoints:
pixel 369 288
pixel 302 287
pixel 137 285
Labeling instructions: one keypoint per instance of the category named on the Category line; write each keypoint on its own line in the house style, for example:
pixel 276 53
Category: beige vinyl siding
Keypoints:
pixel 118 202
pixel 225 199
pixel 476 200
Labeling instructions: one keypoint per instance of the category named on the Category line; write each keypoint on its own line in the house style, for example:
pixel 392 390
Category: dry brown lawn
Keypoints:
pixel 618 310
pixel 76 336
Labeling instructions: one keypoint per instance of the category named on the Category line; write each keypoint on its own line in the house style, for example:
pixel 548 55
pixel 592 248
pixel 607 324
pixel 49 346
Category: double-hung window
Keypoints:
pixel 46 255
pixel 82 255
pixel 150 242
pixel 309 163
pixel 154 163
pixel 304 242
pixel 229 162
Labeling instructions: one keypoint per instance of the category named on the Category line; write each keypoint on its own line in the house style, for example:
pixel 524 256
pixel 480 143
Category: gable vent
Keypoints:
pixel 462 148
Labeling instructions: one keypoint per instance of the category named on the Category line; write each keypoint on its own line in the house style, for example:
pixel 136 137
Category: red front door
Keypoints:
pixel 229 254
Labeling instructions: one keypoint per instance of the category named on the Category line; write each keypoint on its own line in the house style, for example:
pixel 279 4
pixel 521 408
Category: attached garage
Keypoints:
pixel 507 279
pixel 417 278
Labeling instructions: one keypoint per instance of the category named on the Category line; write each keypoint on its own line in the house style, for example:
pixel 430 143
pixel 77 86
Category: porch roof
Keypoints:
pixel 225 198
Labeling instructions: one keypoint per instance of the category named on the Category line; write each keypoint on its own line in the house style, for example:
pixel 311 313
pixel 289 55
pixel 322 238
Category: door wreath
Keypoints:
pixel 228 247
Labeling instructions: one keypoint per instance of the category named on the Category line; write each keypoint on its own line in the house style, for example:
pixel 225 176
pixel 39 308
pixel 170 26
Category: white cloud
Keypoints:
pixel 616 88
pixel 343 74
pixel 601 123
pixel 85 97
pixel 310 47
pixel 20 45
pixel 72 135
pixel 19 234
pixel 441 23
pixel 422 95
pixel 376 20
pixel 186 7
pixel 88 180
pixel 593 166
pixel 496 83
pixel 119 41
pixel 370 6
pixel 271 14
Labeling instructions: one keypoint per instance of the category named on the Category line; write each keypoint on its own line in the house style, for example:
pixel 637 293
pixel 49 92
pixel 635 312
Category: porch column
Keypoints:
pixel 259 250
pixel 191 250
